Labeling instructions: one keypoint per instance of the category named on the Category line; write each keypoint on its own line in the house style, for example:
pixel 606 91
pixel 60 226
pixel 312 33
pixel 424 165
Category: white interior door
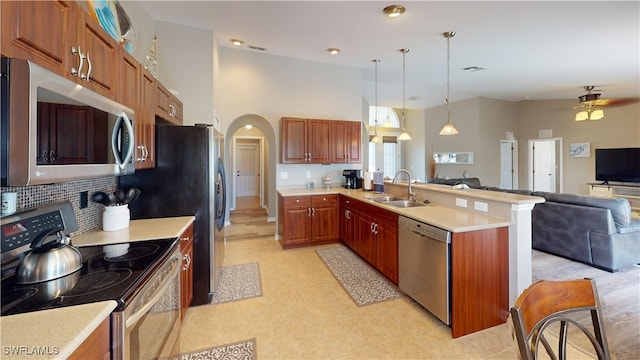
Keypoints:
pixel 544 165
pixel 508 164
pixel 247 169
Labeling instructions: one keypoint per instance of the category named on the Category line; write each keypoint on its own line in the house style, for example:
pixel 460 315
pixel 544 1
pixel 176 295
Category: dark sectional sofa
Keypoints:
pixel 597 231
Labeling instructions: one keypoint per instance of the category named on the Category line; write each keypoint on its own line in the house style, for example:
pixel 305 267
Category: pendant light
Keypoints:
pixel 376 139
pixel 404 135
pixel 448 128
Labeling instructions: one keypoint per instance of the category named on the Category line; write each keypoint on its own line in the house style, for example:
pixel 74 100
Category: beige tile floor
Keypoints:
pixel 305 314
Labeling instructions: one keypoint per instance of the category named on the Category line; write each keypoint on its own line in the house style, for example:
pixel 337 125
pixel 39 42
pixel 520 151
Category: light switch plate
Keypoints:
pixel 461 202
pixel 284 175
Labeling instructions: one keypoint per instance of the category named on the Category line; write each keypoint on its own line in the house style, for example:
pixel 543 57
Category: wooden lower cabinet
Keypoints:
pixel 348 214
pixel 479 280
pixel 308 220
pixel 377 234
pixel 186 275
pixel 97 345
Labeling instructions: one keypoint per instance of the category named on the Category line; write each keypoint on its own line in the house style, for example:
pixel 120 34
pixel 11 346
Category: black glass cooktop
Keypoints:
pixel 115 277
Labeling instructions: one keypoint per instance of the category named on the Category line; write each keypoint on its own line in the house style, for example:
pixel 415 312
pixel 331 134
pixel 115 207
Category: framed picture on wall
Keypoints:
pixel 580 150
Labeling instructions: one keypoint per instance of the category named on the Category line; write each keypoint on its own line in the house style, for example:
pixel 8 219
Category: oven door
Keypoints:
pixel 149 326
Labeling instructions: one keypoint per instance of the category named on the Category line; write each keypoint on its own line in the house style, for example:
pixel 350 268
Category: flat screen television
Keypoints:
pixel 619 165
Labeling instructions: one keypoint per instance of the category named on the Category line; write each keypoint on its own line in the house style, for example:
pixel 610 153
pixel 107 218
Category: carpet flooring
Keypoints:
pixel 238 282
pixel 363 283
pixel 242 350
pixel 619 295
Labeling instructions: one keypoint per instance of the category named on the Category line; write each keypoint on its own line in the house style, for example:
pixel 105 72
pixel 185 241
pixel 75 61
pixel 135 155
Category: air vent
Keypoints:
pixel 473 68
pixel 256 48
pixel 413 98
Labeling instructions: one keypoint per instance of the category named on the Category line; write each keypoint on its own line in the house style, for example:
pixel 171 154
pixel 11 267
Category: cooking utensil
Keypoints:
pixel 111 200
pixel 120 195
pixel 133 194
pixel 99 197
pixel 48 261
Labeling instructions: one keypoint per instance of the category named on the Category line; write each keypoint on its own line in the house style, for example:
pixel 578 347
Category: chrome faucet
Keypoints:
pixel 410 195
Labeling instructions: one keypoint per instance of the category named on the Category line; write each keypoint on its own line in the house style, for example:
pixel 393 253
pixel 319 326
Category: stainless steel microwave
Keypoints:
pixel 54 130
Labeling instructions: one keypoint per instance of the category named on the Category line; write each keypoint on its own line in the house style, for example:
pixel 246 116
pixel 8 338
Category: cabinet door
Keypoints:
pixel 168 107
pixel 339 142
pixel 186 276
pixel 129 91
pixel 297 225
pixel 319 132
pixel 38 31
pixel 368 239
pixel 325 223
pixel 145 122
pixel 388 250
pixel 293 141
pixel 348 222
pixel 353 141
pixel 103 55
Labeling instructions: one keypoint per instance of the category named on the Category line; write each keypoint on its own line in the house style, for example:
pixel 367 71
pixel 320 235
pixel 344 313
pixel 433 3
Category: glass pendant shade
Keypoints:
pixel 404 135
pixel 448 129
pixel 376 139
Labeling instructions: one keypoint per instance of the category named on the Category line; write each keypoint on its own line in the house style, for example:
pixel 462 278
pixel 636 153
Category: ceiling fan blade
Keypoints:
pixel 616 102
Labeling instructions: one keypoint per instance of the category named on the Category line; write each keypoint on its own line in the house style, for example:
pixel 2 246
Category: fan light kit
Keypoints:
pixel 589 104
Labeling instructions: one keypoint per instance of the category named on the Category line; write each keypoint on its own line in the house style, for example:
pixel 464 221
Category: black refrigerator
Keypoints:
pixel 189 179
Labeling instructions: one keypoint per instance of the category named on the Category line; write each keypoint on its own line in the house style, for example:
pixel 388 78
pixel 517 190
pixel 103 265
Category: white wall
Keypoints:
pixel 273 86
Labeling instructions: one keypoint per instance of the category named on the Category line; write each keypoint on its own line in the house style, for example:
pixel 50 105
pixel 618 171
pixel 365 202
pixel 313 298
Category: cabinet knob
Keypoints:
pixel 297 200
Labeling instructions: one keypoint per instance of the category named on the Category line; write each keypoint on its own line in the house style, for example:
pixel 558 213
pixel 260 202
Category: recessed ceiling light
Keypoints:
pixel 333 51
pixel 394 10
pixel 237 42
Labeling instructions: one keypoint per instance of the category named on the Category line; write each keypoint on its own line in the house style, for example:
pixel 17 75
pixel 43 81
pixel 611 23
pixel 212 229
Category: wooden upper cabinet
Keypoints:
pixel 54 35
pixel 346 142
pixel 293 141
pixel 129 92
pixel 305 141
pixel 102 56
pixel 145 122
pixel 168 107
pixel 318 140
pixel 38 31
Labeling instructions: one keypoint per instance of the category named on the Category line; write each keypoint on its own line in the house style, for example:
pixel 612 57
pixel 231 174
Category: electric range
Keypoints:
pixel 116 276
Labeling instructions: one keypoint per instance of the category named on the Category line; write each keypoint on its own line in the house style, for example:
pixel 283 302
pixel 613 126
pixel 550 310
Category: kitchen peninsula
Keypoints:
pixel 502 226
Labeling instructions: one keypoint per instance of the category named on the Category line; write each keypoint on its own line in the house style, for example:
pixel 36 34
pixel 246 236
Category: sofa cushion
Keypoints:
pixel 471 182
pixel 619 207
pixel 634 226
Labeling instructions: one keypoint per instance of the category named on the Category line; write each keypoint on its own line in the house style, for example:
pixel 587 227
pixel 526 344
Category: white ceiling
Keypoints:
pixel 530 49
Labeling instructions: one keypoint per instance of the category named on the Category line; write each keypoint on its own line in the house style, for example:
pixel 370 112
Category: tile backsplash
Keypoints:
pixel 89 218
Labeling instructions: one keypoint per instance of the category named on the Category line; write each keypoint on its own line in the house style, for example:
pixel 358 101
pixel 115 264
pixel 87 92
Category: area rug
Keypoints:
pixel 242 350
pixel 238 282
pixel 363 283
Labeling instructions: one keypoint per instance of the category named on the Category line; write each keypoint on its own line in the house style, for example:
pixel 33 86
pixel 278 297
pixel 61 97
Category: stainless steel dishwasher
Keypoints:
pixel 423 260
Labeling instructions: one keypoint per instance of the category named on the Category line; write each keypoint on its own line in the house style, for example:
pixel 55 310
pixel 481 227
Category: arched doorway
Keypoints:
pixel 251 155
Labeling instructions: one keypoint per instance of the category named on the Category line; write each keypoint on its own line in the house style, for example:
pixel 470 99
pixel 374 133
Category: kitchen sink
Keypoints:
pixel 384 198
pixel 404 203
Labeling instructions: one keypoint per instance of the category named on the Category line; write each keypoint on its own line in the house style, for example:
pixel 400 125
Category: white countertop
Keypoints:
pixel 138 230
pixel 57 333
pixel 447 218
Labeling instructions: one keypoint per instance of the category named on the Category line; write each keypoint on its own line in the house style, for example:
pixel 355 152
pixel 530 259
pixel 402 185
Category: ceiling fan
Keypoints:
pixel 591 104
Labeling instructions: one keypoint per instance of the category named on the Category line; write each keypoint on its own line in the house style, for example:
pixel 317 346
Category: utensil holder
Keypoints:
pixel 115 218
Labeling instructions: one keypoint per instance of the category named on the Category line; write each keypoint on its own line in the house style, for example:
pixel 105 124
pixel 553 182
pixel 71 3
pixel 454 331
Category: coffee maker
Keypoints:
pixel 352 179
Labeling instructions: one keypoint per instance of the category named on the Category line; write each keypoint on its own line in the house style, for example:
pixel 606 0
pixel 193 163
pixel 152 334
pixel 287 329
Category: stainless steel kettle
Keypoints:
pixel 48 261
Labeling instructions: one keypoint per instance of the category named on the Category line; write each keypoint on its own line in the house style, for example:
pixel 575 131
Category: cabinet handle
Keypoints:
pixel 75 51
pixel 186 258
pixel 309 212
pixel 309 157
pixel 52 155
pixel 141 158
pixel 324 199
pixel 313 211
pixel 297 200
pixel 89 68
pixel 45 156
pixel 186 238
pixel 82 59
pixel 347 214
